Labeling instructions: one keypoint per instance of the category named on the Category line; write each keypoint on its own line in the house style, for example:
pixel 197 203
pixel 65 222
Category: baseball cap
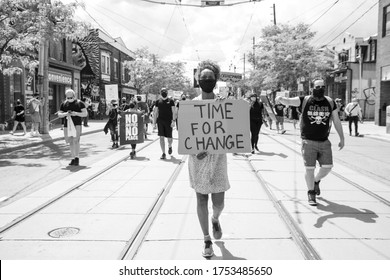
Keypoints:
pixel 113 102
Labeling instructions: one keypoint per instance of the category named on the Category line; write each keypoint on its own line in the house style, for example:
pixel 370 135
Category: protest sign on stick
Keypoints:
pixel 217 127
pixel 131 128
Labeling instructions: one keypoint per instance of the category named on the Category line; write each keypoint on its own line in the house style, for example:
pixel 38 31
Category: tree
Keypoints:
pixel 148 74
pixel 284 54
pixel 24 23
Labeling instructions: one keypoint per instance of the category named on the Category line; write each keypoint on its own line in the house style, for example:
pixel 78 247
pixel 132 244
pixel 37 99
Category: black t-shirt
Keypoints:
pixel 165 109
pixel 18 109
pixel 279 109
pixel 256 110
pixel 315 119
pixel 75 106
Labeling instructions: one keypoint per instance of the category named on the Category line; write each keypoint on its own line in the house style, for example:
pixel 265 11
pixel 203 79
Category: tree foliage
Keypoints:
pixel 148 73
pixel 24 23
pixel 285 54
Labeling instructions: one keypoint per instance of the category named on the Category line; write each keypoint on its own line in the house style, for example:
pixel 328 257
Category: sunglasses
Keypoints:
pixel 70 98
pixel 318 87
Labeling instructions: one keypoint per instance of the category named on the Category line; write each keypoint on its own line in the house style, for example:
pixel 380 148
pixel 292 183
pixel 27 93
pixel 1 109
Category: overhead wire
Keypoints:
pixel 188 31
pixel 308 10
pixel 333 30
pixel 132 31
pixel 352 23
pixel 166 29
pixel 197 6
pixel 324 12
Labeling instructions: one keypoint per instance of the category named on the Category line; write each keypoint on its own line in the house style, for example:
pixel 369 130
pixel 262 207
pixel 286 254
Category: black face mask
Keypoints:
pixel 207 85
pixel 164 94
pixel 183 98
pixel 319 93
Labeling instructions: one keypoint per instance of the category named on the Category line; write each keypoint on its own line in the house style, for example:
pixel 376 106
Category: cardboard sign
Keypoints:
pixel 267 105
pixel 111 92
pixel 217 127
pixel 131 128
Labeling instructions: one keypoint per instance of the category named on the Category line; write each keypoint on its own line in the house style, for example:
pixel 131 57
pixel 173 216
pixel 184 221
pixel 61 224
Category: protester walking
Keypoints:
pixel 132 109
pixel 19 117
pixel 144 109
pixel 341 108
pixel 294 115
pixel 318 111
pixel 256 120
pixel 73 111
pixel 164 116
pixel 34 108
pixel 112 123
pixel 354 115
pixel 87 104
pixel 207 171
pixel 279 114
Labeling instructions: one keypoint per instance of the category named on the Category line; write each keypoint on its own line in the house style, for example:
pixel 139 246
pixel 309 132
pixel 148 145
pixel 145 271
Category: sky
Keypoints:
pixel 223 34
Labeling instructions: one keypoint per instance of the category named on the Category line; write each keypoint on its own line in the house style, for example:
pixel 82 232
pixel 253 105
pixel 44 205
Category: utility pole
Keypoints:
pixel 43 75
pixel 244 67
pixel 274 9
pixel 254 56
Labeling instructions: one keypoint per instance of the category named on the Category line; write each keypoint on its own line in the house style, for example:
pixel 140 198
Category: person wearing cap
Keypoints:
pixel 354 113
pixel 73 111
pixel 256 113
pixel 318 111
pixel 112 123
pixel 163 114
pixel 124 106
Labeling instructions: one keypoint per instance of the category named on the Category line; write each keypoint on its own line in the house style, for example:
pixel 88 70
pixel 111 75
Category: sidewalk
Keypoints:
pixel 9 142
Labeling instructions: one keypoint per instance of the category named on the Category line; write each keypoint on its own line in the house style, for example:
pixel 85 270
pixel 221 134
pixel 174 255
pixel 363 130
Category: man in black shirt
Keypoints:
pixel 164 116
pixel 72 110
pixel 318 111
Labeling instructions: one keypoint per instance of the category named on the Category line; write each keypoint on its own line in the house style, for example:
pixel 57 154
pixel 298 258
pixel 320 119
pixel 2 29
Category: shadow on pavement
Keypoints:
pixel 343 211
pixel 226 254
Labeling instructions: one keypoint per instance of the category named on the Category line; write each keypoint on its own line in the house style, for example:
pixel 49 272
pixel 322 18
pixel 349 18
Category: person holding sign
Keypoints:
pixel 208 172
pixel 73 110
pixel 132 109
pixel 163 114
pixel 112 123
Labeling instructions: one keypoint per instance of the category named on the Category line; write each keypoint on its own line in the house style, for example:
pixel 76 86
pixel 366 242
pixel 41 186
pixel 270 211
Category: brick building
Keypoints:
pixel 383 64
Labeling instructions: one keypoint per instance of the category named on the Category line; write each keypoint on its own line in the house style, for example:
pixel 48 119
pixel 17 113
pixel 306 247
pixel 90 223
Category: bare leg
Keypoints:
pixel 218 200
pixel 322 173
pixel 162 144
pixel 203 212
pixel 309 177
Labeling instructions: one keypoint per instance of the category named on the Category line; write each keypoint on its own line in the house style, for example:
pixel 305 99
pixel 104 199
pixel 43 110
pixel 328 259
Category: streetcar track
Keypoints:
pixel 136 240
pixel 337 174
pixel 51 201
pixel 298 236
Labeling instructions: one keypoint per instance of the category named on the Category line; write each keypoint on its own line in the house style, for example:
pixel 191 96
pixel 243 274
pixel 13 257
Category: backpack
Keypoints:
pixel 31 108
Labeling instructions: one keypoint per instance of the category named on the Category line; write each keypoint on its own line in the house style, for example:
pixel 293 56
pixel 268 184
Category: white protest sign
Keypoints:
pixel 218 127
pixel 111 92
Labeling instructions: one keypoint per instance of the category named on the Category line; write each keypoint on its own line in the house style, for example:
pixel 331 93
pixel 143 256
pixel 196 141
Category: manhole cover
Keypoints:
pixel 63 232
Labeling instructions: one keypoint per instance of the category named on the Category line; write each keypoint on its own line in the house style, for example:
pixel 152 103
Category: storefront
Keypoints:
pixel 59 81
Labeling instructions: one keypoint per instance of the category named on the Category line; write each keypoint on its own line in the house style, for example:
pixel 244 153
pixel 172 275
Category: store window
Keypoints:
pixel 116 65
pixel 386 21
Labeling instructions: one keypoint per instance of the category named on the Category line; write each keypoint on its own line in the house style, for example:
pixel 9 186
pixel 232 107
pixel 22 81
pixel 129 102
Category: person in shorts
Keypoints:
pixel 318 111
pixel 163 114
pixel 279 114
pixel 19 117
pixel 72 110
